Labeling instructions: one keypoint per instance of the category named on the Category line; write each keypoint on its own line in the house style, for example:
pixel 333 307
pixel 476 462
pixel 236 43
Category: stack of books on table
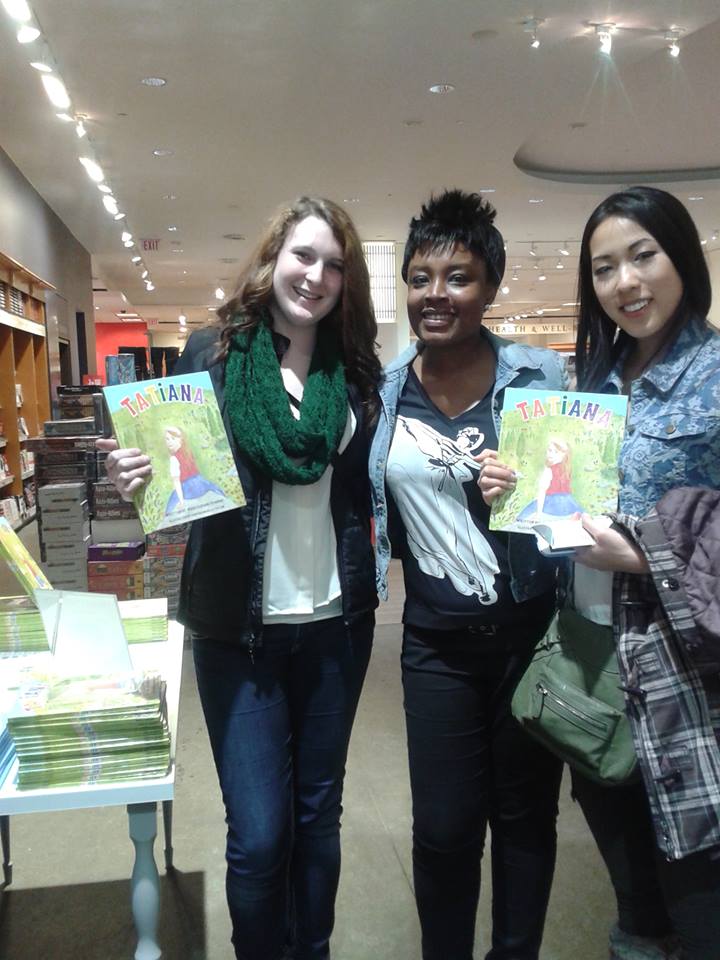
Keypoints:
pixel 21 628
pixel 89 730
pixel 7 749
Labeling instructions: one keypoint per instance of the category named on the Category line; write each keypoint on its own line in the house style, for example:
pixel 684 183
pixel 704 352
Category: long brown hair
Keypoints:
pixel 353 318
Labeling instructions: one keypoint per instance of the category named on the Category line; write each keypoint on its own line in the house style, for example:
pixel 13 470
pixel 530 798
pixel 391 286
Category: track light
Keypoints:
pixel 563 250
pixel 55 89
pixel 27 34
pixel 135 259
pixel 80 129
pixel 604 35
pixel 533 252
pixel 219 293
pixel 110 203
pixel 505 289
pixel 93 170
pixel 125 236
pixel 18 10
pixel 671 38
pixel 530 25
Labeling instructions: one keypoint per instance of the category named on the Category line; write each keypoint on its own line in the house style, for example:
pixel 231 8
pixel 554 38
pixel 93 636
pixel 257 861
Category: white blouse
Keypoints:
pixel 301 582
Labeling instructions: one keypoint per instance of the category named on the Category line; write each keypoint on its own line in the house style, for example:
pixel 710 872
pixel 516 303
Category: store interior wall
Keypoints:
pixel 33 235
pixel 110 336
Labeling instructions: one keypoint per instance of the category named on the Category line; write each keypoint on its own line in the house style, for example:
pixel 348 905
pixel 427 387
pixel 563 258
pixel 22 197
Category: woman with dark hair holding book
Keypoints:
pixel 476 600
pixel 279 595
pixel 644 293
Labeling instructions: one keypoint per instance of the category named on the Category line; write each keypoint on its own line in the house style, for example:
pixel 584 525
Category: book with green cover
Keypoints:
pixel 16 555
pixel 564 447
pixel 176 421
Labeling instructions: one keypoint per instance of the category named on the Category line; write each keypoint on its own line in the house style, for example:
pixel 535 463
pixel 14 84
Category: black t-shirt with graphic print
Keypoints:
pixel 456 569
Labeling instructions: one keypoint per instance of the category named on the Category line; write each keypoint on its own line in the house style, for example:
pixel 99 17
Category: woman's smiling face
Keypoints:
pixel 635 281
pixel 448 292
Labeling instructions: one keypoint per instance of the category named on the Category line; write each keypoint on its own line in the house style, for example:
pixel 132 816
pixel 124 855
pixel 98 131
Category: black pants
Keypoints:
pixel 471 764
pixel 655 896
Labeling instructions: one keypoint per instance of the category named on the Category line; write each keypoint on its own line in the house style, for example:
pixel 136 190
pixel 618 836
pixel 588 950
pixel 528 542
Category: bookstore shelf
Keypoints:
pixel 24 376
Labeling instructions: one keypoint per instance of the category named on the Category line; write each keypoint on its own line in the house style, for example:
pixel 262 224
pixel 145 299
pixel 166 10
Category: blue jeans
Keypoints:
pixel 471 765
pixel 279 731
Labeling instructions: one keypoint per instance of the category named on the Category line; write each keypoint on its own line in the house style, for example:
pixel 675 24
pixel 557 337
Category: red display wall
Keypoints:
pixel 110 336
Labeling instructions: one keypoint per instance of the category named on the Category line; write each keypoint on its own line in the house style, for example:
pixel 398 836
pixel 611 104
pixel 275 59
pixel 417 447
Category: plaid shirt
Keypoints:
pixel 673 704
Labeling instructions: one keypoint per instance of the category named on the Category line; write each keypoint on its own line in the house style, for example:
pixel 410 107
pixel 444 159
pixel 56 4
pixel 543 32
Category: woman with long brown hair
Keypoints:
pixel 279 595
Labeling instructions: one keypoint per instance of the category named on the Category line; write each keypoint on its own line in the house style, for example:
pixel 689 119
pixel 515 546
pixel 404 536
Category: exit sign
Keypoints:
pixel 150 244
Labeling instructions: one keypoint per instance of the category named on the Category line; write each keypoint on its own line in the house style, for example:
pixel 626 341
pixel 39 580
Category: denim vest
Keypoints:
pixel 517 366
pixel 672 437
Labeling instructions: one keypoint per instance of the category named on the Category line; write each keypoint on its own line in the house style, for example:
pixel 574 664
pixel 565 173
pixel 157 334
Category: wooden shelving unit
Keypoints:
pixel 23 361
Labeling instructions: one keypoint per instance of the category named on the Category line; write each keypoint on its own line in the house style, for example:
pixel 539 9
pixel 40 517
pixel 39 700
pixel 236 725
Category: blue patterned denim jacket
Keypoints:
pixel 517 366
pixel 672 438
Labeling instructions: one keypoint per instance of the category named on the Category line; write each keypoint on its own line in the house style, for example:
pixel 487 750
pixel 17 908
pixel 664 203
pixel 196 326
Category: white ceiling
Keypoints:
pixel 268 100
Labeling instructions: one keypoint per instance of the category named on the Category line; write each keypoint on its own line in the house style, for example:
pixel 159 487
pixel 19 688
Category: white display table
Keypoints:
pixel 140 797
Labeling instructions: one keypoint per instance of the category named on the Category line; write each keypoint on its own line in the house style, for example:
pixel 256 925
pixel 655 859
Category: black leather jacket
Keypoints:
pixel 222 578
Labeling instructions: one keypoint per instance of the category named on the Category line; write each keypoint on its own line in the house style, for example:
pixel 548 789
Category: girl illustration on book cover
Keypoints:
pixel 554 498
pixel 188 482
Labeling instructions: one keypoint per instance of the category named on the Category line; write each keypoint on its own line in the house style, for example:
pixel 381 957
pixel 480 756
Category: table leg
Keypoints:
pixel 145 879
pixel 5 837
pixel 167 809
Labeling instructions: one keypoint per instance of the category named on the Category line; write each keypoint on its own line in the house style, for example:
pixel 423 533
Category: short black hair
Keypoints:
pixel 456 218
pixel 667 220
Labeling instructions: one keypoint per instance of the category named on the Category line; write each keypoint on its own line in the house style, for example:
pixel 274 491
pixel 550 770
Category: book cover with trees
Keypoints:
pixel 176 422
pixel 564 447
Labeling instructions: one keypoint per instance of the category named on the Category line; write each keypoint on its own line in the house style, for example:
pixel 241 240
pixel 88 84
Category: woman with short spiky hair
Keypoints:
pixel 477 601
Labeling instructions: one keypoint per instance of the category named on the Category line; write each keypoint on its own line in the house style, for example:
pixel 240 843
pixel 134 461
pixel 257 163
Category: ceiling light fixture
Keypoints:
pixel 533 252
pixel 27 34
pixel 542 277
pixel 144 274
pixel 128 243
pixel 604 32
pixel 514 277
pixel 564 251
pixel 219 293
pixel 110 203
pixel 125 236
pixel 119 216
pixel 671 38
pixel 104 188
pixel 172 229
pixel 505 289
pixel 55 89
pixel 169 196
pixel 559 265
pixel 441 88
pixel 530 25
pixel 42 67
pixel 149 287
pixel 714 235
pixel 535 200
pixel 93 170
pixel 154 81
pixel 65 117
pixel 135 259
pixel 18 10
pixel 162 152
pixel 80 129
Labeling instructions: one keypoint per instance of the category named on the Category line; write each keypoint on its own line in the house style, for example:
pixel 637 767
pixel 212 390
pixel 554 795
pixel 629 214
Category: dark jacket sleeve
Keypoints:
pixel 681 539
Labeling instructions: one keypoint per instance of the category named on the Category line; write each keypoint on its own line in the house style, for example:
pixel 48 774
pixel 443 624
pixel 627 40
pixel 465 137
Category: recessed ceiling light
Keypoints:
pixel 163 152
pixel 441 88
pixel 27 34
pixel 55 89
pixel 154 81
pixel 169 196
pixel 18 10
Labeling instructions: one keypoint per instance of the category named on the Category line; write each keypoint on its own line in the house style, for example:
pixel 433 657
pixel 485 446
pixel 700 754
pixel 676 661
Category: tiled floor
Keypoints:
pixel 70 895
